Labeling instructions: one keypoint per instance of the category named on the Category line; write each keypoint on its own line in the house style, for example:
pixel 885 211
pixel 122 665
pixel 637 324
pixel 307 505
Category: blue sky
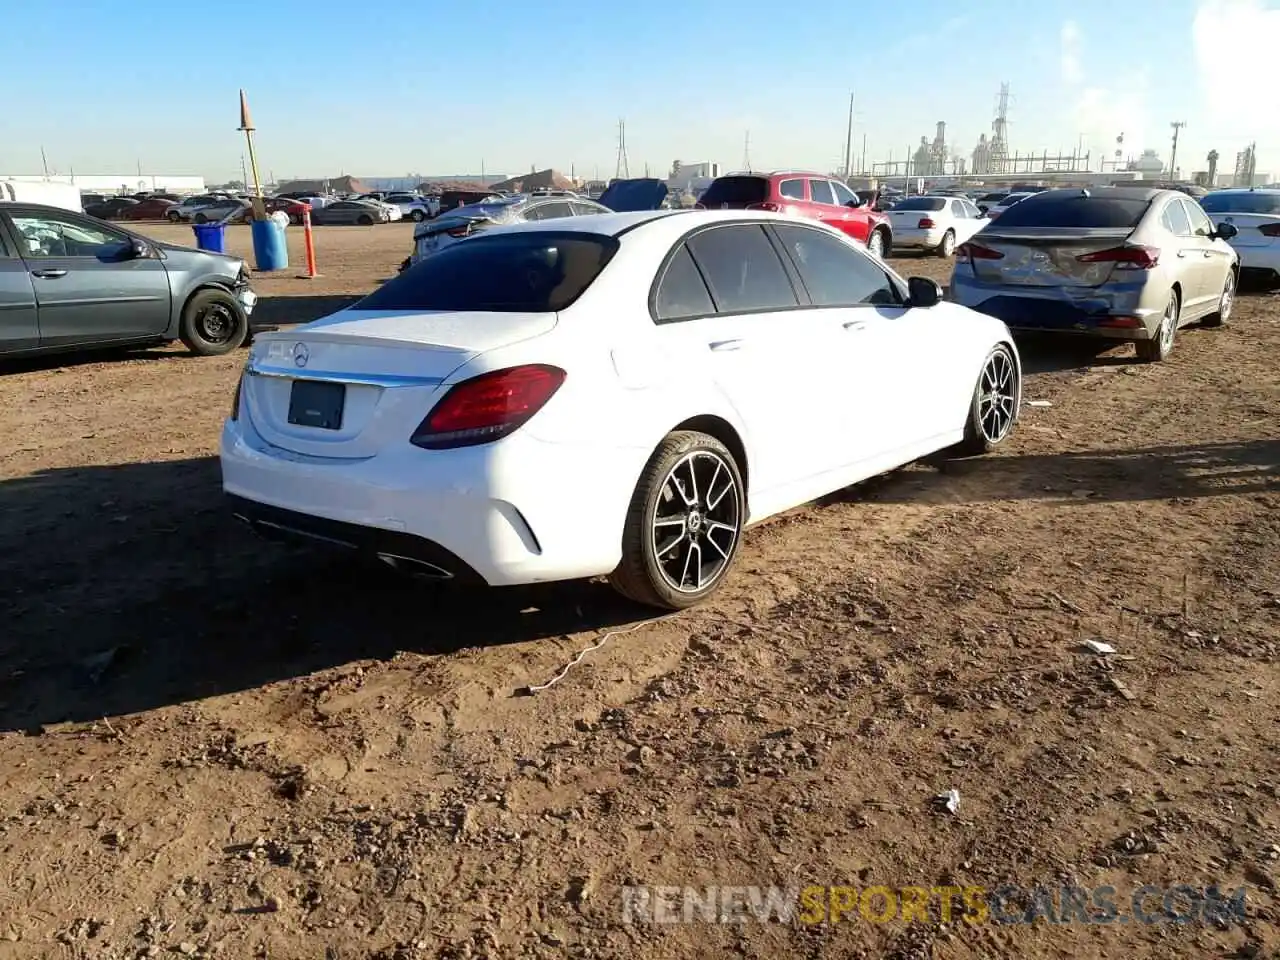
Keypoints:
pixel 441 87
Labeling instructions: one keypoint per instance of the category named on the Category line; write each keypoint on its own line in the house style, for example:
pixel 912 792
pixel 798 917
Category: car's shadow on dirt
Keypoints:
pixel 289 310
pixel 131 587
pixel 1153 473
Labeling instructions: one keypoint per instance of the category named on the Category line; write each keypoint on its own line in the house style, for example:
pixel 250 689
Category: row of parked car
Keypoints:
pixel 1119 263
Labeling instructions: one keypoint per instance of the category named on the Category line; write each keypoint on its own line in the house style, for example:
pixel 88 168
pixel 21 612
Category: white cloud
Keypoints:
pixel 1102 114
pixel 1069 40
pixel 1235 44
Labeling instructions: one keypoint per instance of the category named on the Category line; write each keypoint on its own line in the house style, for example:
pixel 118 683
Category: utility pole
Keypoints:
pixel 44 161
pixel 746 151
pixel 244 174
pixel 1173 157
pixel 848 142
pixel 862 167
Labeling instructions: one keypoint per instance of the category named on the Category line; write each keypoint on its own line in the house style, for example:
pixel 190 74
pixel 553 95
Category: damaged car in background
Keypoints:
pixel 430 237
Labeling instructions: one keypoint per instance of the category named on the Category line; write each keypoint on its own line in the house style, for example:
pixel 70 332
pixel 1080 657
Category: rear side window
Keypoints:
pixel 682 293
pixel 548 211
pixel 792 189
pixel 1074 210
pixel 1175 220
pixel 736 190
pixel 1267 203
pixel 742 269
pixel 820 192
pixel 834 274
pixel 527 272
pixel 1201 225
pixel 921 203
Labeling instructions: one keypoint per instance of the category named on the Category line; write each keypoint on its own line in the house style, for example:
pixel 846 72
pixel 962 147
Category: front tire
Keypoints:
pixel 1225 303
pixel 173 217
pixel 417 216
pixel 213 323
pixel 1161 345
pixel 684 525
pixel 994 406
pixel 364 220
pixel 199 218
pixel 948 245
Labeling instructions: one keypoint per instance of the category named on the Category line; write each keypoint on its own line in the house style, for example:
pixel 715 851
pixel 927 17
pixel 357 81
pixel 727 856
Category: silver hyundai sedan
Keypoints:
pixel 1120 263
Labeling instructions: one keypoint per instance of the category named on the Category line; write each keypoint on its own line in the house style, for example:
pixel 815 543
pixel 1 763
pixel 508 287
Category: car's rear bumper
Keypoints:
pixel 496 513
pixel 1261 260
pixel 1114 315
pixel 914 238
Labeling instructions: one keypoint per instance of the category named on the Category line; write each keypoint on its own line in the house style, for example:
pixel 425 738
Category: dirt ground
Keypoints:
pixel 214 746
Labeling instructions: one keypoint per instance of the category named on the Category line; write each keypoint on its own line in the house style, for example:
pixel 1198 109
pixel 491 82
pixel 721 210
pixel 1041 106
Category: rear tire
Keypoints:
pixel 1225 303
pixel 213 323
pixel 199 218
pixel 947 248
pixel 994 406
pixel 684 525
pixel 173 217
pixel 1161 345
pixel 417 216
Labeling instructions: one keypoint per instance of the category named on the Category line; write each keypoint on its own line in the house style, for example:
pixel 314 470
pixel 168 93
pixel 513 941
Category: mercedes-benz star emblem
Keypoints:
pixel 301 354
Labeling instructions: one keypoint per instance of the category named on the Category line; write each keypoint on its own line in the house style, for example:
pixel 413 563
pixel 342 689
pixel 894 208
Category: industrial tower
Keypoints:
pixel 998 147
pixel 622 173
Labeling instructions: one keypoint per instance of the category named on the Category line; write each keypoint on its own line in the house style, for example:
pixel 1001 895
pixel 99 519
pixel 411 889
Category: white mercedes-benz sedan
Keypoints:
pixel 615 395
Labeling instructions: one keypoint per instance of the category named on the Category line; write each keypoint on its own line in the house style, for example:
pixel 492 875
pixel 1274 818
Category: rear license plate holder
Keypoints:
pixel 317 403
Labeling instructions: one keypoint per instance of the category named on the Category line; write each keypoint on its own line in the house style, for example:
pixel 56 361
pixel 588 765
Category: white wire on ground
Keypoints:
pixel 538 688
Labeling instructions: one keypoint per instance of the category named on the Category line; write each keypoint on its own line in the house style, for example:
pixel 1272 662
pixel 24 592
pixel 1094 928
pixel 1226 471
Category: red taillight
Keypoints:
pixel 976 251
pixel 925 224
pixel 1270 229
pixel 488 407
pixel 1124 323
pixel 768 205
pixel 1125 258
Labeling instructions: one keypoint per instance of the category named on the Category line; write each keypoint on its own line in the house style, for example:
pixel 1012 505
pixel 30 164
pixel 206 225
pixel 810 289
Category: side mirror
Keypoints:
pixel 855 202
pixel 138 250
pixel 1226 231
pixel 923 292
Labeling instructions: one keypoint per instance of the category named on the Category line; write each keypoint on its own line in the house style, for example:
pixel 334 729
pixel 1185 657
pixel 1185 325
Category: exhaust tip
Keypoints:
pixel 415 568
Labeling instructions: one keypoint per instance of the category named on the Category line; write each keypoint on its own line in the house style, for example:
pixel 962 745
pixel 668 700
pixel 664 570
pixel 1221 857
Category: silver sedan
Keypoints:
pixel 1120 263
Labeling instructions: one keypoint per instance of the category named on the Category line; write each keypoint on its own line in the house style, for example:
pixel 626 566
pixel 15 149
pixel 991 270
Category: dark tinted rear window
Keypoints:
pixel 1241 203
pixel 1073 210
pixel 992 197
pixel 921 203
pixel 526 272
pixel 736 190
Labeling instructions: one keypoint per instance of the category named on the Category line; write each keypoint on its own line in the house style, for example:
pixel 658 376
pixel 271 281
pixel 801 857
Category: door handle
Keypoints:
pixel 1182 253
pixel 1208 254
pixel 723 345
pixel 50 274
pixel 853 326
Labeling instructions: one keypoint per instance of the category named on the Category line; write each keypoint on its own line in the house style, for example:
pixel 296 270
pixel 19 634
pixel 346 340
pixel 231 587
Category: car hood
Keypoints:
pixel 632 196
pixel 177 250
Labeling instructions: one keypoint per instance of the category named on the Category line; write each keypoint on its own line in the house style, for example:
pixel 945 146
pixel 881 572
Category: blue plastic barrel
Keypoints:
pixel 211 237
pixel 269 247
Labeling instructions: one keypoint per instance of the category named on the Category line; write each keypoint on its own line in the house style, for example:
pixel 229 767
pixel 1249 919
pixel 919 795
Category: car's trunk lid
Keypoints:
pixel 1249 225
pixel 1044 256
pixel 367 377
